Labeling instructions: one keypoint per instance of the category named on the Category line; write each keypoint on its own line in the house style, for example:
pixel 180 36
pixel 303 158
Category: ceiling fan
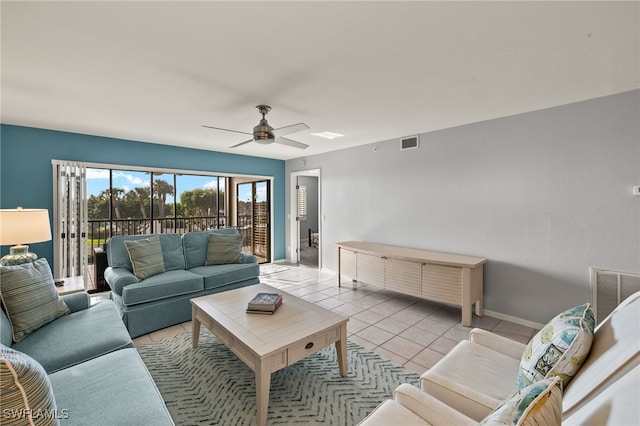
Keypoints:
pixel 263 133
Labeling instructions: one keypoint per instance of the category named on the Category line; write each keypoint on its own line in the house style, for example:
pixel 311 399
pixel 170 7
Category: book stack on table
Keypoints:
pixel 264 303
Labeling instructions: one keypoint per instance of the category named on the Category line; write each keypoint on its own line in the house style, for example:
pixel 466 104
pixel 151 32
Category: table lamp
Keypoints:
pixel 20 227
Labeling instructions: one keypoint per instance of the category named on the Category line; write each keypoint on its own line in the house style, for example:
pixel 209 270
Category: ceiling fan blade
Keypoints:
pixel 226 130
pixel 241 143
pixel 289 142
pixel 286 130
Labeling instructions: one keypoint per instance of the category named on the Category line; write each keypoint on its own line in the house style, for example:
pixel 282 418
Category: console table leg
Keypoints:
pixel 479 308
pixel 466 315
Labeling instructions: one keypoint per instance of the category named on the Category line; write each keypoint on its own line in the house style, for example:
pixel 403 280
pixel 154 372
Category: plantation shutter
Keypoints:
pixel 302 202
pixel 70 220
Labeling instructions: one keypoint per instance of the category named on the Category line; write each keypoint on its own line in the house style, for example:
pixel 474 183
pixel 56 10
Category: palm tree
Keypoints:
pixel 143 194
pixel 115 201
pixel 161 189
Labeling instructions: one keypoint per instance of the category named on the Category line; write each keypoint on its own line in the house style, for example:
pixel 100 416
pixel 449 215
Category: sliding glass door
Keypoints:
pixel 253 218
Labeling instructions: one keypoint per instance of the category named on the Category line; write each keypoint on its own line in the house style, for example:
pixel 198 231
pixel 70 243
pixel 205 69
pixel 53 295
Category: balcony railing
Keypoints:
pixel 100 230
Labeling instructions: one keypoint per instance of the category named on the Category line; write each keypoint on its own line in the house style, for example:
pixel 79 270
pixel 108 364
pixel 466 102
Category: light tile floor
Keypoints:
pixel 408 330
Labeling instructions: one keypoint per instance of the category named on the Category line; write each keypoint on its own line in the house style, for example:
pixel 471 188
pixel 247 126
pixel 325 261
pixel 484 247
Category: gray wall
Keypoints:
pixel 543 195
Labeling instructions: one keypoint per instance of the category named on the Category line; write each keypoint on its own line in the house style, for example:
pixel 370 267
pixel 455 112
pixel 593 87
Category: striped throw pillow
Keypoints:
pixel 146 257
pixel 29 297
pixel 224 249
pixel 536 404
pixel 26 396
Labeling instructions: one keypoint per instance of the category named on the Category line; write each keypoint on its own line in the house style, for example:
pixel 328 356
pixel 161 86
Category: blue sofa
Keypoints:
pixel 162 300
pixel 88 356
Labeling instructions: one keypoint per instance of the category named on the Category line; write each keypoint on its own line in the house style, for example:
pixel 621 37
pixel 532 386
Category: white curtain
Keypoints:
pixel 70 222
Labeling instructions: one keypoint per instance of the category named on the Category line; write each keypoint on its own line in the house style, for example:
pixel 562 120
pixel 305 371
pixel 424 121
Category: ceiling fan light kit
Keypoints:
pixel 264 134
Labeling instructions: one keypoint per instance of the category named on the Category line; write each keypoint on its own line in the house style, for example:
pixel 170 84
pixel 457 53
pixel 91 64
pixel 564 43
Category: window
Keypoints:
pixel 128 202
pixel 93 202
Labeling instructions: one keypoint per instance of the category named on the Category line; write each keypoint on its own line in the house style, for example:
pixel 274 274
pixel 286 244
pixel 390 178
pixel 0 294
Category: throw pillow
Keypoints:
pixel 26 396
pixel 560 348
pixel 146 257
pixel 224 249
pixel 29 297
pixel 536 404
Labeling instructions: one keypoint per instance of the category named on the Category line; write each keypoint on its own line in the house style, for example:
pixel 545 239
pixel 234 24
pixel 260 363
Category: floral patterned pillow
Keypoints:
pixel 537 404
pixel 560 348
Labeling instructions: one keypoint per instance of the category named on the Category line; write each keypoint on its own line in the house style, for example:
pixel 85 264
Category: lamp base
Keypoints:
pixel 18 255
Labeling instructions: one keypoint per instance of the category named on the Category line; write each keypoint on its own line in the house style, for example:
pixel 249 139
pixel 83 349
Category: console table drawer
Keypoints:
pixel 442 284
pixel 347 261
pixel 312 344
pixel 370 269
pixel 403 276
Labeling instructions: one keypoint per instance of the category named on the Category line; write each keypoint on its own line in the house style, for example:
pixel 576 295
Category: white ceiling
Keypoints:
pixel 157 71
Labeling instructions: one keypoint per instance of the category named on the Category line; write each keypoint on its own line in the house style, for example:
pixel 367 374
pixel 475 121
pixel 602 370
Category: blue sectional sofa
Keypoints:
pixel 162 300
pixel 86 357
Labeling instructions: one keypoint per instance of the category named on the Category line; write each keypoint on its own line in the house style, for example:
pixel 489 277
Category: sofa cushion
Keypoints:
pixel 220 275
pixel 146 257
pixel 26 395
pixel 195 245
pixel 560 348
pixel 172 255
pixel 224 249
pixel 77 337
pixel 162 286
pixel 113 389
pixel 29 297
pixel 537 404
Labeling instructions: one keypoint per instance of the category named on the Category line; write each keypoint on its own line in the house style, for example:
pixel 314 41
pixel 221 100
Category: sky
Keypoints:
pixel 98 181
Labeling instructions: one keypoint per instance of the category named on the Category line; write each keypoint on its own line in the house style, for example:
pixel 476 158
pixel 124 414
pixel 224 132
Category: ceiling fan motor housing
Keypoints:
pixel 263 133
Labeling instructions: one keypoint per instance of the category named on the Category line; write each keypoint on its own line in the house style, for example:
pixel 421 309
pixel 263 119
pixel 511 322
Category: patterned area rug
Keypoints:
pixel 210 385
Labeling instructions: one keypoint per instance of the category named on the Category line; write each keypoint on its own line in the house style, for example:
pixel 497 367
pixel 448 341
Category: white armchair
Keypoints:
pixel 411 406
pixel 480 373
pixel 475 379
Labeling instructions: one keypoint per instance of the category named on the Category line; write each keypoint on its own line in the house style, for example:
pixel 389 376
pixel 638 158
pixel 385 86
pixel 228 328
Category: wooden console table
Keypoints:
pixel 440 277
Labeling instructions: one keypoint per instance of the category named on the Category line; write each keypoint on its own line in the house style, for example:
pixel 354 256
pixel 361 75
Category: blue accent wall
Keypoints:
pixel 26 177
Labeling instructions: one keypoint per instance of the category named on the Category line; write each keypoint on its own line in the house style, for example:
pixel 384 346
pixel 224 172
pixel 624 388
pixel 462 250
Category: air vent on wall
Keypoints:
pixel 609 288
pixel 410 142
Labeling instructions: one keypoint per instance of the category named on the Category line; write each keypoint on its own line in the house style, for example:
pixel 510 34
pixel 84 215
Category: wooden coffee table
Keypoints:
pixel 267 343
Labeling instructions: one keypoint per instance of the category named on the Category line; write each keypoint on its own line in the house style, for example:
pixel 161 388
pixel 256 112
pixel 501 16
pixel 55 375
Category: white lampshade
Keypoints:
pixel 24 226
pixel 21 227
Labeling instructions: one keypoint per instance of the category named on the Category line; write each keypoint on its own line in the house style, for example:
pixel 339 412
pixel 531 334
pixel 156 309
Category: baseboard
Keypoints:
pixel 489 313
pixel 510 318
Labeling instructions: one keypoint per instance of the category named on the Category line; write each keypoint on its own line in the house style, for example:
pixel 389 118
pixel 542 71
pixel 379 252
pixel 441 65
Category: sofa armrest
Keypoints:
pixel 429 408
pixel 118 278
pixel 248 258
pixel 77 301
pixel 496 342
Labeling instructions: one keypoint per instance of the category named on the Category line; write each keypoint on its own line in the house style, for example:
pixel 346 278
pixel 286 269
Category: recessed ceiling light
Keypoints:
pixel 328 135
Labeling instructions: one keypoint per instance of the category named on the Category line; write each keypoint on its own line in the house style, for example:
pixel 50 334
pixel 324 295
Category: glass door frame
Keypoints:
pixel 262 250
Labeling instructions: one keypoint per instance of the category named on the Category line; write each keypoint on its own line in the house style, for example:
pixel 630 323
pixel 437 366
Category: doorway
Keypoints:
pixel 306 230
pixel 253 218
